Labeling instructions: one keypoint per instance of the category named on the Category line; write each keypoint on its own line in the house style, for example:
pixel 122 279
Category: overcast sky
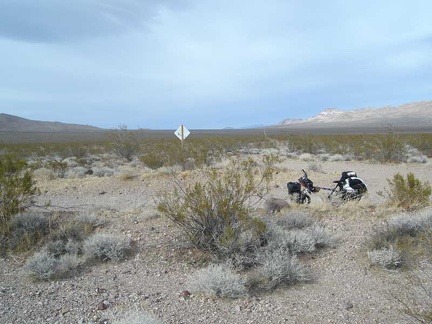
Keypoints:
pixel 209 64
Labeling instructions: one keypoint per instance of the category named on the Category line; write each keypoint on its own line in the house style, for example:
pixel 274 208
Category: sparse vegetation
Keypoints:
pixel 105 247
pixel 403 237
pixel 280 267
pixel 42 265
pixel 410 193
pixel 17 188
pixel 213 214
pixel 126 144
pixel 219 281
pixel 27 230
pixel 246 250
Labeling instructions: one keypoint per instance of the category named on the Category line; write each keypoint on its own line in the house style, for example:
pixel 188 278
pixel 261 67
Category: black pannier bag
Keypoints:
pixel 357 184
pixel 293 187
pixel 347 174
pixel 307 183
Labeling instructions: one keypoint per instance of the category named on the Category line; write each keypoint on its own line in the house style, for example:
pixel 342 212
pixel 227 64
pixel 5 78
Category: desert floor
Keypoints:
pixel 345 287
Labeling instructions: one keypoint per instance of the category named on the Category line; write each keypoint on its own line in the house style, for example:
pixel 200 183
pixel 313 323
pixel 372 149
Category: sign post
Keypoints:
pixel 182 132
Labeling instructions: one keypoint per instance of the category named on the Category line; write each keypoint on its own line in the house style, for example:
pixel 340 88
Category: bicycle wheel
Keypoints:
pixel 337 197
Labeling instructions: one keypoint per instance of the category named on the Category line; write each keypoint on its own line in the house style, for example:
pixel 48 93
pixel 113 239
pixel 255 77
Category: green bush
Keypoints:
pixel 213 214
pixel 409 193
pixel 17 189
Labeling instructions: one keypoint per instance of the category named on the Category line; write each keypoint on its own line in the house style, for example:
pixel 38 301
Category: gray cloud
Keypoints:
pixel 61 21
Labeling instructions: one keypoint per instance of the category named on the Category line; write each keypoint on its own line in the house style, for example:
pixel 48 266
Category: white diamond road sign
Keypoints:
pixel 182 132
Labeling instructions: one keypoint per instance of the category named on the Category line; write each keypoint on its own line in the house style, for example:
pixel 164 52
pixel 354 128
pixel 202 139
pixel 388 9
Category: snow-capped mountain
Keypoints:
pixel 417 114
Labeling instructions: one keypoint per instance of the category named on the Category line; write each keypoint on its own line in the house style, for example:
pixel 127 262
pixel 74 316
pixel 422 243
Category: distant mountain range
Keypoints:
pixel 10 123
pixel 412 117
pixel 417 115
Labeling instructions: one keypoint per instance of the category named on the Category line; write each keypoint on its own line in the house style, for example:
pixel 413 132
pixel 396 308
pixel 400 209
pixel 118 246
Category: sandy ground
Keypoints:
pixel 345 288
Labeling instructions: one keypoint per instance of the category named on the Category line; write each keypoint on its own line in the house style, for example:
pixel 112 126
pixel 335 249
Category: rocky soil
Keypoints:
pixel 345 287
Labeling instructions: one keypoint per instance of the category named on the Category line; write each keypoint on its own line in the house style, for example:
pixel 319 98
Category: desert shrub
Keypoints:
pixel 125 143
pixel 295 219
pixel 127 173
pixel 275 205
pixel 153 160
pixel 280 267
pixel 105 247
pixel 314 166
pixel 102 172
pixel 58 167
pixel 42 265
pixel 406 235
pixel 67 263
pixel 387 257
pixel 415 297
pixel 44 173
pixel 410 193
pixel 78 172
pixel 336 157
pixel 68 230
pixel 219 281
pixel 306 157
pixel 213 214
pixel 390 147
pixel 17 189
pixel 56 248
pixel 89 221
pixel 136 317
pixel 27 229
pixel 299 241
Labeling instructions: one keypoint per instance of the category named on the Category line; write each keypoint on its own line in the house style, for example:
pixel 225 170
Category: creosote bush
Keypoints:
pixel 410 193
pixel 17 189
pixel 215 213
